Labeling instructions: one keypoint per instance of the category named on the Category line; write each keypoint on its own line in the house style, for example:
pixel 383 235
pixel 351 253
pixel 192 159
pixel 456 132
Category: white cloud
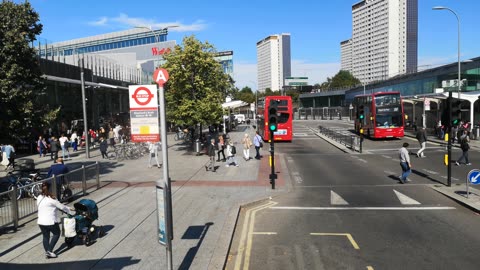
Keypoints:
pixel 100 22
pixel 245 73
pixel 124 21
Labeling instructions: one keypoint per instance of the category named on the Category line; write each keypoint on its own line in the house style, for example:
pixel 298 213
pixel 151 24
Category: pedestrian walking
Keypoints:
pixel 221 148
pixel 405 163
pixel 231 152
pixel 9 152
pixel 111 138
pixel 103 147
pixel 58 169
pixel 54 148
pixel 153 149
pixel 258 142
pixel 211 156
pixel 74 140
pixel 465 146
pixel 64 144
pixel 41 146
pixel 247 143
pixel 422 140
pixel 49 219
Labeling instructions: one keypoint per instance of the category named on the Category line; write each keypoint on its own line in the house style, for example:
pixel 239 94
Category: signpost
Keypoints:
pixel 161 77
pixel 473 177
pixel 144 113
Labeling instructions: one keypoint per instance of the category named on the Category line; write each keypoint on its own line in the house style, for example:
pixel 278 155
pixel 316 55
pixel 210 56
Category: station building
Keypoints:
pixel 111 62
pixel 431 85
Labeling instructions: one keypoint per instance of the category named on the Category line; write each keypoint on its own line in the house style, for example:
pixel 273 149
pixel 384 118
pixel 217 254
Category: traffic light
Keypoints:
pixel 272 116
pixel 361 112
pixel 456 112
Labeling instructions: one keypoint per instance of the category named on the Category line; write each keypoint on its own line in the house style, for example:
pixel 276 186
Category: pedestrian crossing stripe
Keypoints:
pixel 405 200
pixel 335 199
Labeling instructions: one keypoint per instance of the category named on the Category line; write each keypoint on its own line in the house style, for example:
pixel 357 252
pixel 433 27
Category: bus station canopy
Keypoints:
pixel 234 104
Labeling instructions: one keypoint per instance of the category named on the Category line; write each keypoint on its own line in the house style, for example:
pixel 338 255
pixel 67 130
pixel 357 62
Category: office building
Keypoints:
pixel 346 52
pixel 273 62
pixel 384 39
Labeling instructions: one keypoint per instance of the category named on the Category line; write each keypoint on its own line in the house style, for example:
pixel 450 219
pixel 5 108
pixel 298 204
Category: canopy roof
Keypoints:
pixel 234 104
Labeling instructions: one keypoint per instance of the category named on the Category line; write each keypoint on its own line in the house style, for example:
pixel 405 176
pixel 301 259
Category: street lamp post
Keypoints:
pixel 458 53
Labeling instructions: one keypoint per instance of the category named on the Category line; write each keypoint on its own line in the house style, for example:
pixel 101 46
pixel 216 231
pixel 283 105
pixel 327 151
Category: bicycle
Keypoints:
pixel 19 182
pixel 179 135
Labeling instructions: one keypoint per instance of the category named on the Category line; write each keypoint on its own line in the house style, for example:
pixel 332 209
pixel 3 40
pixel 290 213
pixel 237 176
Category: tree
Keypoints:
pixel 197 85
pixel 343 79
pixel 246 95
pixel 20 74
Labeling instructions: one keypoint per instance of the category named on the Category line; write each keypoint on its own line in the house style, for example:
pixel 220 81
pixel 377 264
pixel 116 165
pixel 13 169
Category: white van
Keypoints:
pixel 240 118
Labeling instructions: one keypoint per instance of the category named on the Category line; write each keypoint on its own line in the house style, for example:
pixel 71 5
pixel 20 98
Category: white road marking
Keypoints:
pixel 404 199
pixel 385 156
pixel 335 199
pixel 430 172
pixel 300 134
pixel 339 208
pixel 297 177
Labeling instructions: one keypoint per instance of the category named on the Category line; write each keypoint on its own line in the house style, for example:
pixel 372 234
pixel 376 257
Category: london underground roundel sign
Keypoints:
pixel 142 96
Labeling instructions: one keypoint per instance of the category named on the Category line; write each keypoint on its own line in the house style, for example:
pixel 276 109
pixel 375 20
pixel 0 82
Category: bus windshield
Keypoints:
pixel 387 100
pixel 389 120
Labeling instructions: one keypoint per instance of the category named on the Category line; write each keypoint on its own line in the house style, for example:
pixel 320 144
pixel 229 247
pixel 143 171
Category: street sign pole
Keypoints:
pixel 273 176
pixel 449 143
pixel 161 77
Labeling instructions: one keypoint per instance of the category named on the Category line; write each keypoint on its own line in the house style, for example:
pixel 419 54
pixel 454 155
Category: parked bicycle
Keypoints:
pixel 180 135
pixel 19 182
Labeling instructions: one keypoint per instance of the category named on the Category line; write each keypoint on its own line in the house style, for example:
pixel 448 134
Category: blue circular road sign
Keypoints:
pixel 474 176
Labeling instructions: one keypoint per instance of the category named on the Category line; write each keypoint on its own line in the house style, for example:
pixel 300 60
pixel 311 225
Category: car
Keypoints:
pixel 240 118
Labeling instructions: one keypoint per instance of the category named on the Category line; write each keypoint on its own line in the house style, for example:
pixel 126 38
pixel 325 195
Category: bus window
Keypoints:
pixel 388 121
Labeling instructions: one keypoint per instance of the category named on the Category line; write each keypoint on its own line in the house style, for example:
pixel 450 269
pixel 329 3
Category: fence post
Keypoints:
pixel 98 175
pixel 13 197
pixel 84 181
pixel 54 186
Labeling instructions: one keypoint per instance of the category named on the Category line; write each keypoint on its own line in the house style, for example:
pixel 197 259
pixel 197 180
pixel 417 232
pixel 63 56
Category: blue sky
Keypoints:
pixel 316 28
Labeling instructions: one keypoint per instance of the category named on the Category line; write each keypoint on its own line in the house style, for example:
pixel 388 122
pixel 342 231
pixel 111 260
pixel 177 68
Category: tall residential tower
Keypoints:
pixel 384 39
pixel 273 62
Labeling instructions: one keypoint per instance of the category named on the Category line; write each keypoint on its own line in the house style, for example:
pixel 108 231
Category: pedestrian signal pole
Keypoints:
pixel 448 138
pixel 272 127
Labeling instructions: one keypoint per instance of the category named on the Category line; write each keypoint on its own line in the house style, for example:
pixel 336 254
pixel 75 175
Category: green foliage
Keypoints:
pixel 246 95
pixel 20 74
pixel 197 85
pixel 342 79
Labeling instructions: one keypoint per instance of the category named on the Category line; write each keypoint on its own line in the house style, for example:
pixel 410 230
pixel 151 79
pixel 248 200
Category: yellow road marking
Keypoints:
pixel 369 268
pixel 349 236
pixel 246 231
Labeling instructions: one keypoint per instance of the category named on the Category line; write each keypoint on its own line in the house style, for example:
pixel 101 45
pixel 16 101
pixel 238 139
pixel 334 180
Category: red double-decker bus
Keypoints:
pixel 380 115
pixel 285 118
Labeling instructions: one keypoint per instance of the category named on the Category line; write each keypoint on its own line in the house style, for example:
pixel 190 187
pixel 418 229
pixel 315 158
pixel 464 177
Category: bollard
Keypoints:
pixel 54 186
pixel 13 197
pixel 98 175
pixel 84 181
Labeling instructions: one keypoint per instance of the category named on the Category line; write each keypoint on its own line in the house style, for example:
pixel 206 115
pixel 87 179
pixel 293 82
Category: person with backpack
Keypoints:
pixel 465 146
pixel 258 143
pixel 231 152
pixel 422 140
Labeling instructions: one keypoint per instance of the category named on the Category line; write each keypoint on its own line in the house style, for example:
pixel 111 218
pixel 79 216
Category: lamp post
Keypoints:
pixel 458 53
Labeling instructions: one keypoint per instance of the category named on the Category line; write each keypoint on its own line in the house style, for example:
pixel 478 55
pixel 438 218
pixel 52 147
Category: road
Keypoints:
pixel 348 211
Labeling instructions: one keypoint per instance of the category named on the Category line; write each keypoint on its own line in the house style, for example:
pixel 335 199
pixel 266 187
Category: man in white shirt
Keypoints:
pixel 63 140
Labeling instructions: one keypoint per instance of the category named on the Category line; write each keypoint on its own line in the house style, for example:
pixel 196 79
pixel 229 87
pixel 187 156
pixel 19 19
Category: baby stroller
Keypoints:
pixel 86 211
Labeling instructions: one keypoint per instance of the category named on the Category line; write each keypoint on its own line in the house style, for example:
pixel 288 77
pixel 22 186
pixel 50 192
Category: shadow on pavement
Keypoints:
pixel 112 263
pixel 194 232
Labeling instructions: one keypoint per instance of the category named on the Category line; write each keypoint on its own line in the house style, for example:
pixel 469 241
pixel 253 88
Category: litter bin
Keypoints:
pixel 197 146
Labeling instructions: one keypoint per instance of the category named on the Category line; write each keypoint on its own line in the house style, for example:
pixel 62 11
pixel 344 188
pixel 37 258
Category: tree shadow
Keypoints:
pixel 104 263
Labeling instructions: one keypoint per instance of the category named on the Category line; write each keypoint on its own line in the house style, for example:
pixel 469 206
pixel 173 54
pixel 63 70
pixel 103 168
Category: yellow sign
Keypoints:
pixel 361 131
pixel 446 137
pixel 446 160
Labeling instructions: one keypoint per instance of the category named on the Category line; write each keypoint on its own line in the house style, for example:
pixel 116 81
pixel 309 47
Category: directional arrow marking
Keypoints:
pixel 335 199
pixel 405 200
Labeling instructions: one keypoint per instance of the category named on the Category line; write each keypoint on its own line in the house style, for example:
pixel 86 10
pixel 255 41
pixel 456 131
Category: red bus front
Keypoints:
pixel 285 119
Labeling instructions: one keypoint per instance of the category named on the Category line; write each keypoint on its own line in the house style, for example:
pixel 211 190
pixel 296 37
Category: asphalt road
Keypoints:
pixel 348 211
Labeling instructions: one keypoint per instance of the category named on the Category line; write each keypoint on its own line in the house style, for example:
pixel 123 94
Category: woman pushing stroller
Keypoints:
pixel 49 219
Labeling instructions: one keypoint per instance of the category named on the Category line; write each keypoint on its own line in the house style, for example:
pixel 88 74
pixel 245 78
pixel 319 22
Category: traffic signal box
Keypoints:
pixel 272 116
pixel 456 113
pixel 361 112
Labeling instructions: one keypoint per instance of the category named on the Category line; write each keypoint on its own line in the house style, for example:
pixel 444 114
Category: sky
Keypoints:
pixel 316 27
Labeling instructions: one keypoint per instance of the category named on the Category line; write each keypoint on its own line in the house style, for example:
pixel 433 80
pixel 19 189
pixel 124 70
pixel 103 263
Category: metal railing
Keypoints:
pixel 13 209
pixel 342 136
